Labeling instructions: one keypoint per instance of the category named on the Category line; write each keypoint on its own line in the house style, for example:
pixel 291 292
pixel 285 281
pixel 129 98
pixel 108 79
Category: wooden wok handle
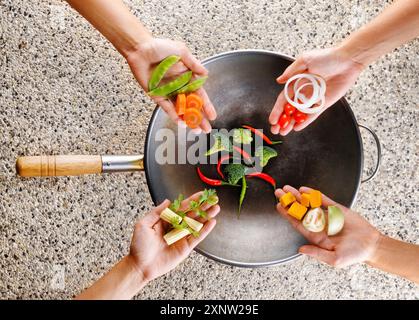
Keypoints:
pixel 53 166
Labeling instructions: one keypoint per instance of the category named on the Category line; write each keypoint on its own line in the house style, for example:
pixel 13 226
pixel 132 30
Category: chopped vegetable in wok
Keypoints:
pixel 265 153
pixel 234 172
pixel 242 136
pixel 221 143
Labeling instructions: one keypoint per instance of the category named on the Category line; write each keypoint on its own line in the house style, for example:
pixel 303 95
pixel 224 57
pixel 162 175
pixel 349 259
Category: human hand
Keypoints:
pixel 143 60
pixel 357 242
pixel 334 65
pixel 151 254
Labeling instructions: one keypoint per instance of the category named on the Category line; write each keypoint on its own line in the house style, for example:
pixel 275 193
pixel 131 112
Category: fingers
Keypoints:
pixel 276 113
pixel 209 108
pixel 320 254
pixel 275 129
pixel 211 210
pixel 169 108
pixel 277 109
pixel 204 126
pixel 211 213
pixel 185 203
pixel 326 201
pixel 191 62
pixel 294 191
pixel 309 120
pixel 298 66
pixel 288 129
pixel 205 231
pixel 154 216
pixel 318 238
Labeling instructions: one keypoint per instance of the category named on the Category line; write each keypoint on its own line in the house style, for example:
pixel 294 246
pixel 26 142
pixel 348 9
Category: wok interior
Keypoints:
pixel 327 156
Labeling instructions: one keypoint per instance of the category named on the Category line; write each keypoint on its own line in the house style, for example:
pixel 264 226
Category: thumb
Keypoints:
pixel 298 66
pixel 318 253
pixel 154 216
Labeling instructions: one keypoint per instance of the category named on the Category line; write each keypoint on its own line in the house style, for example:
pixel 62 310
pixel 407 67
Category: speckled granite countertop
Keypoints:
pixel 64 89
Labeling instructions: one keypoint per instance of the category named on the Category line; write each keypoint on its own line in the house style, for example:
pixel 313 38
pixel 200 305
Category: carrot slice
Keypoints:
pixel 192 118
pixel 180 104
pixel 194 101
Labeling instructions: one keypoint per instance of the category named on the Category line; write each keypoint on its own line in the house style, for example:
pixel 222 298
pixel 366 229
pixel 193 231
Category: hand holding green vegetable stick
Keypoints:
pixel 150 252
pixel 180 215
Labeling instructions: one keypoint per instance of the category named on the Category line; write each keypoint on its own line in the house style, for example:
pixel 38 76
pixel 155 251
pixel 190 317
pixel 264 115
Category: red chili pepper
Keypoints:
pixel 245 155
pixel 261 134
pixel 220 162
pixel 212 182
pixel 263 176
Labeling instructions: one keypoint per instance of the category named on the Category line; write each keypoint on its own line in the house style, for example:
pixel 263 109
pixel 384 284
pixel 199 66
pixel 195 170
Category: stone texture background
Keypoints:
pixel 64 89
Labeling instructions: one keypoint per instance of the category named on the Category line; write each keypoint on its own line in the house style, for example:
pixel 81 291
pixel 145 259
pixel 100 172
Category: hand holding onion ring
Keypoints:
pixel 308 104
pixel 297 109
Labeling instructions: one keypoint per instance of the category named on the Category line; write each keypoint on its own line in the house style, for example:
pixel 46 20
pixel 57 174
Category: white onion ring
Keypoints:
pixel 318 95
pixel 310 109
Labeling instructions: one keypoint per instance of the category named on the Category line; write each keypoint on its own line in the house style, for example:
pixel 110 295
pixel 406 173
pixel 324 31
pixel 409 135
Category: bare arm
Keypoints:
pixel 114 20
pixel 397 257
pixel 122 282
pixel 396 25
pixel 142 51
pixel 150 256
pixel 341 65
pixel 358 242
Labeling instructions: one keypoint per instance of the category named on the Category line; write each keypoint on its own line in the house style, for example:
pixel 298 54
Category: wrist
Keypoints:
pixel 134 273
pixel 354 54
pixel 376 249
pixel 361 47
pixel 135 46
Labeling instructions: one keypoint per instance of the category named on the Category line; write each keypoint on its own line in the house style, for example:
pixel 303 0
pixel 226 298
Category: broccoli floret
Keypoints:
pixel 242 136
pixel 221 143
pixel 264 154
pixel 234 172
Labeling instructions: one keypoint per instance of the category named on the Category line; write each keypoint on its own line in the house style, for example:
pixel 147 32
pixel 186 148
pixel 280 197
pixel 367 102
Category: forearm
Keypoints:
pixel 396 25
pixel 397 257
pixel 122 282
pixel 114 20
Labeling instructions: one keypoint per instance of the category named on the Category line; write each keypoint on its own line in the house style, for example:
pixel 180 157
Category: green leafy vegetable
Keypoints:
pixel 209 196
pixel 184 225
pixel 234 172
pixel 175 205
pixel 264 154
pixel 221 143
pixel 242 192
pixel 242 136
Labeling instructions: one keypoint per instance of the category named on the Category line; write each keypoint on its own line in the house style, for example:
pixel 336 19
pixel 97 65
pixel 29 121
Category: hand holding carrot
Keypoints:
pixel 149 54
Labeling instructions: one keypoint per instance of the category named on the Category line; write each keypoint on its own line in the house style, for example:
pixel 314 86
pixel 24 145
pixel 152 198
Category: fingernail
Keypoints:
pixel 181 124
pixel 196 131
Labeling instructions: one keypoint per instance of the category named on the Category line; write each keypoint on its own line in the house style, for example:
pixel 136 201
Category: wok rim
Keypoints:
pixel 228 261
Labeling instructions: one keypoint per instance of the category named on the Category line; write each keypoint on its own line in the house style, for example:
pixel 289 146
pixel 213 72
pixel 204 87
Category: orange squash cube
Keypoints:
pixel 315 199
pixel 305 200
pixel 287 199
pixel 297 210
